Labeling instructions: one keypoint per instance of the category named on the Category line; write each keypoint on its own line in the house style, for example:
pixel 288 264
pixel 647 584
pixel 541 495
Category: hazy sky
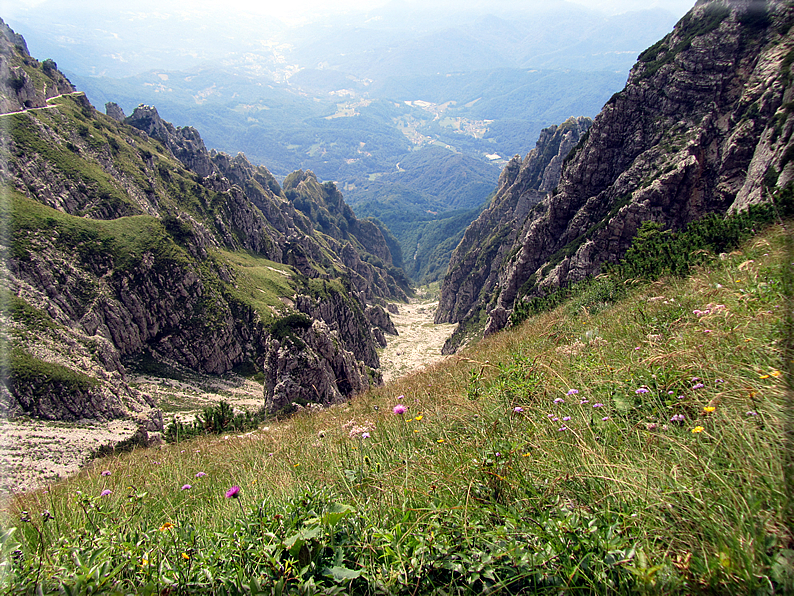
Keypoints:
pixel 300 9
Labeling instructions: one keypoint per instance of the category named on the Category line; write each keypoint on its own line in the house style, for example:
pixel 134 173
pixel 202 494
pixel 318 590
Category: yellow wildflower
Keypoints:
pixel 763 376
pixel 709 409
pixel 185 556
pixel 418 417
pixel 166 526
pixel 698 429
pixel 440 441
pixel 775 373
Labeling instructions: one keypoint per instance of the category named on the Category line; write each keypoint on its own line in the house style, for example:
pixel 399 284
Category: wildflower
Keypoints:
pixel 518 409
pixel 440 441
pixel 642 390
pixel 233 492
pixel 399 409
pixel 584 401
pixel 497 454
pixel 677 418
pixel 707 331
pixel 775 373
pixel 550 416
pixel 562 428
pixel 637 348
pixel 605 418
pixel 669 393
pixel 525 454
pixel 418 418
pixel 201 475
pixel 555 419
pixel 559 400
pixel 698 386
pixel 166 526
pixel 185 556
pixel 573 391
pixel 106 473
pixel 105 493
pixel 399 397
pixel 599 405
pixel 566 418
pixel 680 397
pixel 718 381
pixel 698 429
pixel 752 413
pixel 651 426
pixel 186 487
pixel 709 409
pixel 365 435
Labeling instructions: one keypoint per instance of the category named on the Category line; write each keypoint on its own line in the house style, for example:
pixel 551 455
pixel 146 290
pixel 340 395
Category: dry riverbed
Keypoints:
pixel 35 452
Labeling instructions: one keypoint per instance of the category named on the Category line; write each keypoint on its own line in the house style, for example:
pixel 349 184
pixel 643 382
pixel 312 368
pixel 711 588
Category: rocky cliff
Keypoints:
pixel 127 237
pixel 703 126
pixel 474 267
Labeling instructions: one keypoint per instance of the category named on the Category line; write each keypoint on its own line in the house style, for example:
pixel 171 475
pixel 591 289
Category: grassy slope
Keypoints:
pixel 464 490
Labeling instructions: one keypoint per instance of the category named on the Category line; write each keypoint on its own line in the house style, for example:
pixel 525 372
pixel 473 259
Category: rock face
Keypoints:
pixel 130 238
pixel 474 268
pixel 702 126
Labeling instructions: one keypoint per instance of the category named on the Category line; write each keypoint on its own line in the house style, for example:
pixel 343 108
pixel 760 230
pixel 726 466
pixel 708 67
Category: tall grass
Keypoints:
pixel 634 448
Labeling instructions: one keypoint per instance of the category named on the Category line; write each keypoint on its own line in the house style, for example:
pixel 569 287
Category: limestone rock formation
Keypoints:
pixel 130 238
pixel 474 267
pixel 703 126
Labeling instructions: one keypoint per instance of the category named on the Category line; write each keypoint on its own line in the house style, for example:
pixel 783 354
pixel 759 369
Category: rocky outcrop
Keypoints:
pixel 703 126
pixel 25 82
pixel 310 366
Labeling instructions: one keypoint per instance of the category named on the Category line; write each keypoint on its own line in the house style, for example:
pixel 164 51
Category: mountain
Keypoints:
pixel 350 96
pixel 127 240
pixel 703 126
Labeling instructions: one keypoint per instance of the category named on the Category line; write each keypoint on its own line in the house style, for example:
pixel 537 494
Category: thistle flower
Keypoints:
pixel 201 475
pixel 105 493
pixel 233 492
pixel 399 409
pixel 642 390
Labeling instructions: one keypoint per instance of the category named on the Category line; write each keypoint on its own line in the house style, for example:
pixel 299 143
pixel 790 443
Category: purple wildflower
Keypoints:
pixel 399 409
pixel 186 487
pixel 559 400
pixel 752 413
pixel 698 386
pixel 695 379
pixel 497 454
pixel 584 401
pixel 642 390
pixel 365 435
pixel 550 416
pixel 677 418
pixel 599 405
pixel 605 418
pixel 562 428
pixel 399 397
pixel 105 493
pixel 518 409
pixel 201 475
pixel 566 418
pixel 106 473
pixel 233 492
pixel 573 391
pixel 718 381
pixel 680 397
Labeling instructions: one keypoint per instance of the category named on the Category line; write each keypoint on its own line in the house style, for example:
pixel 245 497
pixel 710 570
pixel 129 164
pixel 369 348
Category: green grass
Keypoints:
pixel 464 493
pixel 260 283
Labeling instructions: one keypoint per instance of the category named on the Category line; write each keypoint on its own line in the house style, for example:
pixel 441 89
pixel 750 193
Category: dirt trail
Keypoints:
pixel 35 452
